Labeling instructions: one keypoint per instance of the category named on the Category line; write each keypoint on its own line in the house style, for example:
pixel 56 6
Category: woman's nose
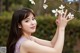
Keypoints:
pixel 32 22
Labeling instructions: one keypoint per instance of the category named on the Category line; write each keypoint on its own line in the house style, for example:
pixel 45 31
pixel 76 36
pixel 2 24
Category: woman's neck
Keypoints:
pixel 27 35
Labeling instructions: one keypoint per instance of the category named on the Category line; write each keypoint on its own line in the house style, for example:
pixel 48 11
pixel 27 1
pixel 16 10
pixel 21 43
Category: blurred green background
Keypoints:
pixel 46 21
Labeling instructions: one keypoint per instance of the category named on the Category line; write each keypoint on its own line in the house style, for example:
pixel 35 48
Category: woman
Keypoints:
pixel 23 24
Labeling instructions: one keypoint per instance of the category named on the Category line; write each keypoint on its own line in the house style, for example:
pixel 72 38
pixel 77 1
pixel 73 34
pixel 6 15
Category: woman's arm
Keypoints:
pixel 33 47
pixel 58 45
pixel 60 40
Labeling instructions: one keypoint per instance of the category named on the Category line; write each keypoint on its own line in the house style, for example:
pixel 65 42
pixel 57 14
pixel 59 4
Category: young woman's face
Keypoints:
pixel 28 25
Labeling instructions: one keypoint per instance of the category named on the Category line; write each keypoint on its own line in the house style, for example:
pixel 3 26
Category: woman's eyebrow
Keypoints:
pixel 27 18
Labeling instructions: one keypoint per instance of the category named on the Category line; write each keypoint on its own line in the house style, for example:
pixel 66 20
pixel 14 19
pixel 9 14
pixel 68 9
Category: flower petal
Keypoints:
pixel 56 14
pixel 53 11
pixel 32 2
pixel 61 7
pixel 45 6
pixel 60 11
pixel 44 1
pixel 69 15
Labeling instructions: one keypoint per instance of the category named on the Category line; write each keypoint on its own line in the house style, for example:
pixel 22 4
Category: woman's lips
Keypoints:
pixel 33 27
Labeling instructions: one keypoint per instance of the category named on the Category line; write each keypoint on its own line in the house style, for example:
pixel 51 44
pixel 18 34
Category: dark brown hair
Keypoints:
pixel 15 32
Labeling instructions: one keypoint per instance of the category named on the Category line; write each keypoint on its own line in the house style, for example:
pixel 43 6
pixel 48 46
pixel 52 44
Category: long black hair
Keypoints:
pixel 15 32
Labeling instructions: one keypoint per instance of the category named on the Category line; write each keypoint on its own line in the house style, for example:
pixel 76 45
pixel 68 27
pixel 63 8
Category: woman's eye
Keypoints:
pixel 33 18
pixel 27 21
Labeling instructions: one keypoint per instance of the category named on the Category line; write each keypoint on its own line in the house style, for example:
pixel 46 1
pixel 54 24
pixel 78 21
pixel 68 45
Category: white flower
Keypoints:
pixel 61 7
pixel 45 6
pixel 70 2
pixel 44 1
pixel 70 15
pixel 55 12
pixel 32 2
pixel 60 11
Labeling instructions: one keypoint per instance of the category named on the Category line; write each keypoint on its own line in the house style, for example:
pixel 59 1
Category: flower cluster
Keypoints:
pixel 45 5
pixel 61 11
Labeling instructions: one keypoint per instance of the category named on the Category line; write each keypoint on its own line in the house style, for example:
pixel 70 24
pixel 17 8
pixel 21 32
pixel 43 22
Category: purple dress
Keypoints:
pixel 17 46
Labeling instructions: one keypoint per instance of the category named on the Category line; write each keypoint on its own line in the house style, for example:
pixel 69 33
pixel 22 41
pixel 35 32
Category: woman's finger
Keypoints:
pixel 65 13
pixel 70 18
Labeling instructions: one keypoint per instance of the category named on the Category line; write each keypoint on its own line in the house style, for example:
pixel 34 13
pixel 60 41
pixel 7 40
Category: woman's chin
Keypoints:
pixel 33 31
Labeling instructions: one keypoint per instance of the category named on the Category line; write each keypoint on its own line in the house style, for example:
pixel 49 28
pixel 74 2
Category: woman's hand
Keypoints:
pixel 63 19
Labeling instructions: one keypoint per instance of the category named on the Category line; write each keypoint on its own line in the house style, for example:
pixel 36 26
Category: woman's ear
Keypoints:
pixel 19 26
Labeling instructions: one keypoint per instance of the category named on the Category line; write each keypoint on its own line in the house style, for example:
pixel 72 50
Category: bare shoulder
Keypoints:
pixel 26 44
pixel 23 46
